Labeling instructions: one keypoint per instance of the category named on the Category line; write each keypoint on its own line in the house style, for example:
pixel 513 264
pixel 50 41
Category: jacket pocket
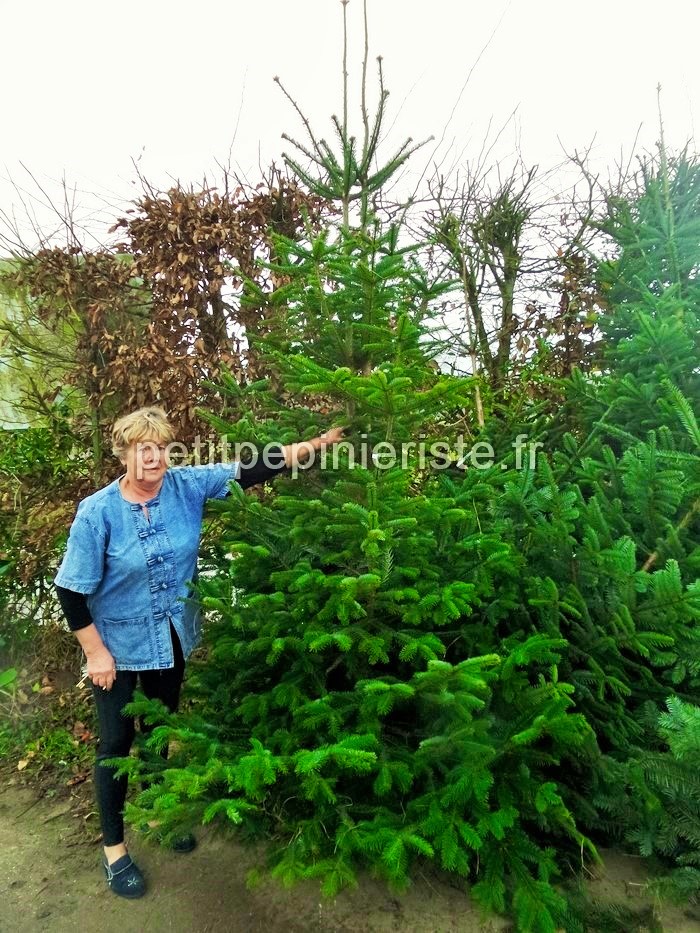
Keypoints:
pixel 130 641
pixel 187 618
pixel 196 625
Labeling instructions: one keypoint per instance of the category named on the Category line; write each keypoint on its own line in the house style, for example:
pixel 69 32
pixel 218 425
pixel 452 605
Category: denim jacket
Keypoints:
pixel 136 571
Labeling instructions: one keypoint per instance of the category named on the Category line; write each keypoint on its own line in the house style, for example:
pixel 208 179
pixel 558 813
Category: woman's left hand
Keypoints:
pixel 333 436
pixel 295 454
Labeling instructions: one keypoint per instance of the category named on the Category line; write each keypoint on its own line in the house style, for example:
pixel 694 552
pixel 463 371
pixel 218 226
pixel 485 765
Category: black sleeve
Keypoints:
pixel 257 472
pixel 75 608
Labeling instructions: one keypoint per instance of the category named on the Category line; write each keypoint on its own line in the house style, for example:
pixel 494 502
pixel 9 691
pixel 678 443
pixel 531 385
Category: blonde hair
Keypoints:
pixel 149 423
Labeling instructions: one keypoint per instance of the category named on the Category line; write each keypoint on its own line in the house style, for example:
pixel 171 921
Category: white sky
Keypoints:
pixel 87 86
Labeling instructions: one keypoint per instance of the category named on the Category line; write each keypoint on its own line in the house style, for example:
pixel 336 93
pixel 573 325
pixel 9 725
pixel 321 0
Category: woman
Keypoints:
pixel 124 586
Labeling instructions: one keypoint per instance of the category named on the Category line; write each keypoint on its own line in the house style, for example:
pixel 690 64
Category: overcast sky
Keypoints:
pixel 89 86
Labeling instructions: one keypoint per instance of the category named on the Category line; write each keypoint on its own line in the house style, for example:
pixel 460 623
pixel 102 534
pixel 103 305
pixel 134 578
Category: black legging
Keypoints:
pixel 117 733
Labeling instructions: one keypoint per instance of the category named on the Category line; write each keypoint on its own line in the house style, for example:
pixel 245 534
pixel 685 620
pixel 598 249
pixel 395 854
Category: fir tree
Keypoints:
pixel 359 703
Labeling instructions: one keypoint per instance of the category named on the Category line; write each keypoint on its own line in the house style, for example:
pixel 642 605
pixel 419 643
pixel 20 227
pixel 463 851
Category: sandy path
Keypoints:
pixel 50 881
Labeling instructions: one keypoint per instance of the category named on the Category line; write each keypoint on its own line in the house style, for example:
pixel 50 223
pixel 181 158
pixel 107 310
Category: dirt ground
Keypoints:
pixel 50 880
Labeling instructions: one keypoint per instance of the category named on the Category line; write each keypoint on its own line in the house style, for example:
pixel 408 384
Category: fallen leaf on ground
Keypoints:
pixel 77 779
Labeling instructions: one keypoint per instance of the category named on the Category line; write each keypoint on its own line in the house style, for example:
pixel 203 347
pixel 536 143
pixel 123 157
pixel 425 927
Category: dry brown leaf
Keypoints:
pixel 78 779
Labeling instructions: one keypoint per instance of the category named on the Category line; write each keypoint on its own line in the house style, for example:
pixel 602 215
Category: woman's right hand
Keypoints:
pixel 101 668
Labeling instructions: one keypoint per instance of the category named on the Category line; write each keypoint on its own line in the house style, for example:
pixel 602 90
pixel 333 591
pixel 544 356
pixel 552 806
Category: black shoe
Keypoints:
pixel 124 877
pixel 183 845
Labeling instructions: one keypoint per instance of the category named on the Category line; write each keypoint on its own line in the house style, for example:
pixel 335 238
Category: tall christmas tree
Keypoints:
pixel 359 704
